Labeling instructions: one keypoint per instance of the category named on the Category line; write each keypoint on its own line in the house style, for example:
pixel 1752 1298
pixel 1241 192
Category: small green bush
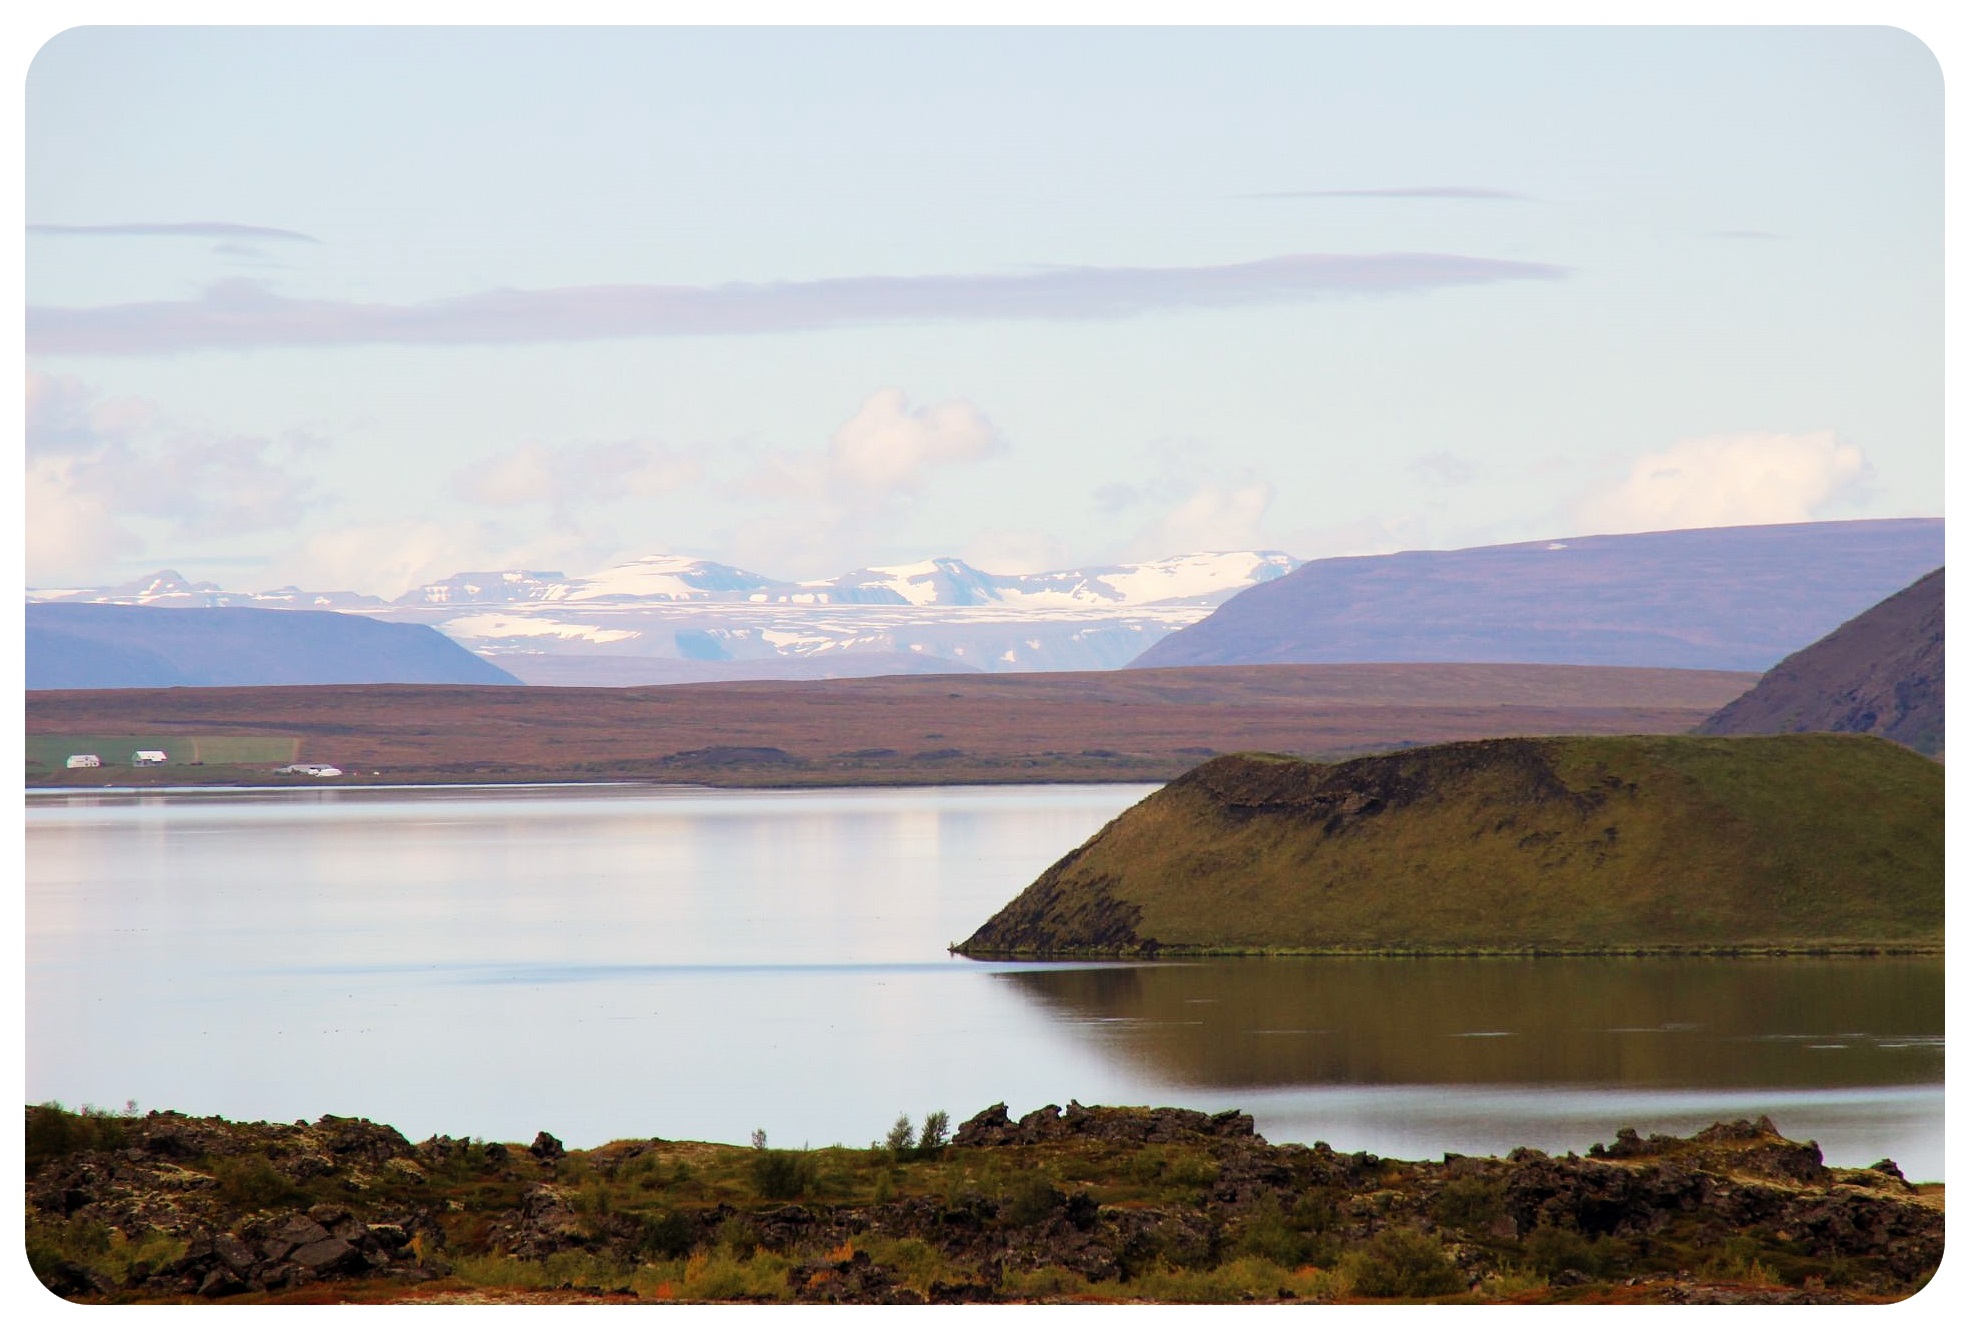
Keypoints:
pixel 1469 1203
pixel 249 1180
pixel 98 1247
pixel 738 1238
pixel 1243 1279
pixel 936 1132
pixel 1550 1249
pixel 1317 1211
pixel 918 1264
pixel 1030 1199
pixel 54 1131
pixel 1269 1235
pixel 664 1233
pixel 782 1175
pixel 1402 1263
pixel 1738 1260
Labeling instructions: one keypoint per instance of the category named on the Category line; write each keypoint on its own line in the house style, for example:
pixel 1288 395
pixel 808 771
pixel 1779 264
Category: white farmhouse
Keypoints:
pixel 79 760
pixel 148 757
pixel 308 769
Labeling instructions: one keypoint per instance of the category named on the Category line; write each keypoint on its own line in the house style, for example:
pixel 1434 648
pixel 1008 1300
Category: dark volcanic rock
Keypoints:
pixel 1054 1198
pixel 1134 1126
pixel 1881 673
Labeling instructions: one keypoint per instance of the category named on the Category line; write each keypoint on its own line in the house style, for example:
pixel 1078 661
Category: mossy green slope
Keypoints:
pixel 1799 842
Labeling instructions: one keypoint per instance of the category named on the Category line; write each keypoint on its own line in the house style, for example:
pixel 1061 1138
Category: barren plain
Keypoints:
pixel 1123 725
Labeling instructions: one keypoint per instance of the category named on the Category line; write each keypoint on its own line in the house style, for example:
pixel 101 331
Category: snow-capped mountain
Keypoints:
pixel 1192 579
pixel 669 616
pixel 173 591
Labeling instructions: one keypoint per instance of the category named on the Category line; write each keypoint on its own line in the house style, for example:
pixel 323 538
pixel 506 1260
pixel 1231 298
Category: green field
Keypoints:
pixel 1796 842
pixel 50 752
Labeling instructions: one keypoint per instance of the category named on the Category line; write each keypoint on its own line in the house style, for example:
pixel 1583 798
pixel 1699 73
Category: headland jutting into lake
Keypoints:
pixel 1810 843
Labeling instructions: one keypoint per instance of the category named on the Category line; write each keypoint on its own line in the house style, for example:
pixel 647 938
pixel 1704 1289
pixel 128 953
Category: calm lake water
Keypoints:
pixel 629 961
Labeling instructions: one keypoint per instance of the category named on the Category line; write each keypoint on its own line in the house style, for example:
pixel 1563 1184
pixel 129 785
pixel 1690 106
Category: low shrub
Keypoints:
pixel 1470 1204
pixel 1549 1250
pixel 249 1180
pixel 1269 1235
pixel 54 1131
pixel 1030 1199
pixel 918 1264
pixel 782 1175
pixel 738 1238
pixel 666 1234
pixel 710 1276
pixel 1245 1279
pixel 1738 1260
pixel 1401 1263
pixel 573 1266
pixel 97 1247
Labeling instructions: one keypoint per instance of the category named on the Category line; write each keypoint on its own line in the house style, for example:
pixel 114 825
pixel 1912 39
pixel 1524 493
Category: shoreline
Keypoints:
pixel 1152 774
pixel 1721 951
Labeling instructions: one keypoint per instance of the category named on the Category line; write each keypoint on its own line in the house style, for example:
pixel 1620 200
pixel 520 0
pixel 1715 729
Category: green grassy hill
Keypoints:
pixel 1791 842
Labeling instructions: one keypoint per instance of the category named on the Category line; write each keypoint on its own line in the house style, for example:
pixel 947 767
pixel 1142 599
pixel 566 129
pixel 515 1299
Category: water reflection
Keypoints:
pixel 1775 1023
pixel 607 963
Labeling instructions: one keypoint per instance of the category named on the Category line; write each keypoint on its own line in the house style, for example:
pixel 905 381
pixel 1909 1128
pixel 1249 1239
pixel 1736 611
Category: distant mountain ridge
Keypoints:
pixel 1191 579
pixel 1881 672
pixel 128 646
pixel 669 618
pixel 1735 598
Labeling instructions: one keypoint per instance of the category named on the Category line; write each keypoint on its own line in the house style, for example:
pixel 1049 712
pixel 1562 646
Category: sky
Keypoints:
pixel 359 308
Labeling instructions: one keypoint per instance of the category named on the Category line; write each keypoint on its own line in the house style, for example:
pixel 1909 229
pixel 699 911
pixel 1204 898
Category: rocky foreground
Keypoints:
pixel 1085 1205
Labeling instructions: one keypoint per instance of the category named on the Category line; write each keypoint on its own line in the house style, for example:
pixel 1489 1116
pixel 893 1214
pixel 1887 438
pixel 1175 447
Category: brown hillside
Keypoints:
pixel 1794 842
pixel 1116 725
pixel 1881 673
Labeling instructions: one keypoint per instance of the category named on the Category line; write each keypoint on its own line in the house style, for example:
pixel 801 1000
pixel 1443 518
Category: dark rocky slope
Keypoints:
pixel 1791 842
pixel 1881 673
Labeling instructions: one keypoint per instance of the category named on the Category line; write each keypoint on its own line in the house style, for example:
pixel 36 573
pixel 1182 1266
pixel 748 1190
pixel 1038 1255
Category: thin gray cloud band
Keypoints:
pixel 197 230
pixel 239 314
pixel 1402 192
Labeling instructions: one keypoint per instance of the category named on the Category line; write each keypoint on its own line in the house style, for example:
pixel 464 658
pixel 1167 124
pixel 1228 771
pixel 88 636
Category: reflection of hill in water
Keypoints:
pixel 1660 1022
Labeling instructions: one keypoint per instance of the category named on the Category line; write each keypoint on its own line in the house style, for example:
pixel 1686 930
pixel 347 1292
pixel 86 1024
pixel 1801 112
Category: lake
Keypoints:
pixel 618 961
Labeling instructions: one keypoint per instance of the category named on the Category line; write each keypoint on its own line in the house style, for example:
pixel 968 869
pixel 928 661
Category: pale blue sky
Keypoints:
pixel 1030 297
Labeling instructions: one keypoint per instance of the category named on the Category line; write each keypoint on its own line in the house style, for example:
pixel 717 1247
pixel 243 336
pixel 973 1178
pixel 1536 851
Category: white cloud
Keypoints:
pixel 1213 517
pixel 840 502
pixel 576 473
pixel 1020 551
pixel 888 448
pixel 389 558
pixel 99 470
pixel 71 533
pixel 1727 480
pixel 64 414
pixel 884 450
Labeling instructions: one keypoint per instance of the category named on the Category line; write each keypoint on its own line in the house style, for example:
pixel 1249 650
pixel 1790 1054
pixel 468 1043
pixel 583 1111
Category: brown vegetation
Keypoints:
pixel 1112 725
pixel 1791 842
